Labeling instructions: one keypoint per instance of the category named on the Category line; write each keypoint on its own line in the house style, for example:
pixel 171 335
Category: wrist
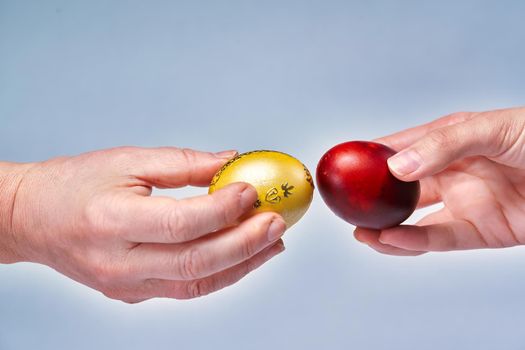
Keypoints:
pixel 11 179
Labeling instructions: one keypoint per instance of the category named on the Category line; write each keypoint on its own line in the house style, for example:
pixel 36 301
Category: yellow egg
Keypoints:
pixel 284 185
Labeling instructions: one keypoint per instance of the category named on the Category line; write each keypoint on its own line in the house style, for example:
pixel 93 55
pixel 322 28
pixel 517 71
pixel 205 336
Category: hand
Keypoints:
pixel 474 163
pixel 92 218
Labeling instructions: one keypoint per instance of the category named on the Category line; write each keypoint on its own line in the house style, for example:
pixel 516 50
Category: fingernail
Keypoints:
pixel 385 238
pixel 276 249
pixel 248 198
pixel 279 247
pixel 405 162
pixel 358 236
pixel 276 230
pixel 226 154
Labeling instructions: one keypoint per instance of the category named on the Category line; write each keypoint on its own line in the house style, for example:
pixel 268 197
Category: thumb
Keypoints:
pixel 439 148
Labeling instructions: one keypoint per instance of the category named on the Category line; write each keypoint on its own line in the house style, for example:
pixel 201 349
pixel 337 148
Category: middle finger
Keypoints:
pixel 209 254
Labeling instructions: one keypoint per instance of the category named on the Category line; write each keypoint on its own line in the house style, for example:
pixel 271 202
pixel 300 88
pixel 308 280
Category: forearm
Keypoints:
pixel 11 177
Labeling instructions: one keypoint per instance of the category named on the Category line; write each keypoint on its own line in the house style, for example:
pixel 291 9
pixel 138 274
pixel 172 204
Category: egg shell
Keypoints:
pixel 284 185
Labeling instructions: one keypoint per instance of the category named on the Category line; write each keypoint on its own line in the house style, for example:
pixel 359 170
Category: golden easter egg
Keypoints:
pixel 284 185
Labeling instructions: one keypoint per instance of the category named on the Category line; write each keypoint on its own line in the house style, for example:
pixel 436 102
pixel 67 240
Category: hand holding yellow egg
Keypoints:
pixel 284 185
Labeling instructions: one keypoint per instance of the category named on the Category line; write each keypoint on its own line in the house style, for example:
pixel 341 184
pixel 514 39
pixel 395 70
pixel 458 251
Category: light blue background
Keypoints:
pixel 296 76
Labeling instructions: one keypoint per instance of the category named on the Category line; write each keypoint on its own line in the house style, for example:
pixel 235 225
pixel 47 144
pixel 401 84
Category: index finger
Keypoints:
pixel 405 138
pixel 170 167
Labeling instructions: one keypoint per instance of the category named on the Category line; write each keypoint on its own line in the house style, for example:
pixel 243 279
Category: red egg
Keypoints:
pixel 355 182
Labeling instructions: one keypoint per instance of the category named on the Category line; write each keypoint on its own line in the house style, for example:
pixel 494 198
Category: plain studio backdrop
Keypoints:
pixel 294 76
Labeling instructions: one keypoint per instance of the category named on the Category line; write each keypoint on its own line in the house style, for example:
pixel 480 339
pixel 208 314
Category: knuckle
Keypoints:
pixel 494 130
pixel 176 225
pixel 191 264
pixel 123 156
pixel 188 155
pixel 180 293
pixel 226 210
pixel 112 294
pixel 132 300
pixel 459 117
pixel 247 242
pixel 126 150
pixel 449 242
pixel 93 215
pixel 248 266
pixel 504 134
pixel 121 295
pixel 106 274
pixel 198 288
pixel 439 138
pixel 187 159
pixel 100 215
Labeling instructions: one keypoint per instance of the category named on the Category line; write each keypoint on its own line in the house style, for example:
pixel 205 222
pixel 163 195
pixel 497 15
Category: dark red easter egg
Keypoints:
pixel 355 182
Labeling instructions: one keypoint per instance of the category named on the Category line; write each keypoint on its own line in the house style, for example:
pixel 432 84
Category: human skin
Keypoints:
pixel 472 163
pixel 92 218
